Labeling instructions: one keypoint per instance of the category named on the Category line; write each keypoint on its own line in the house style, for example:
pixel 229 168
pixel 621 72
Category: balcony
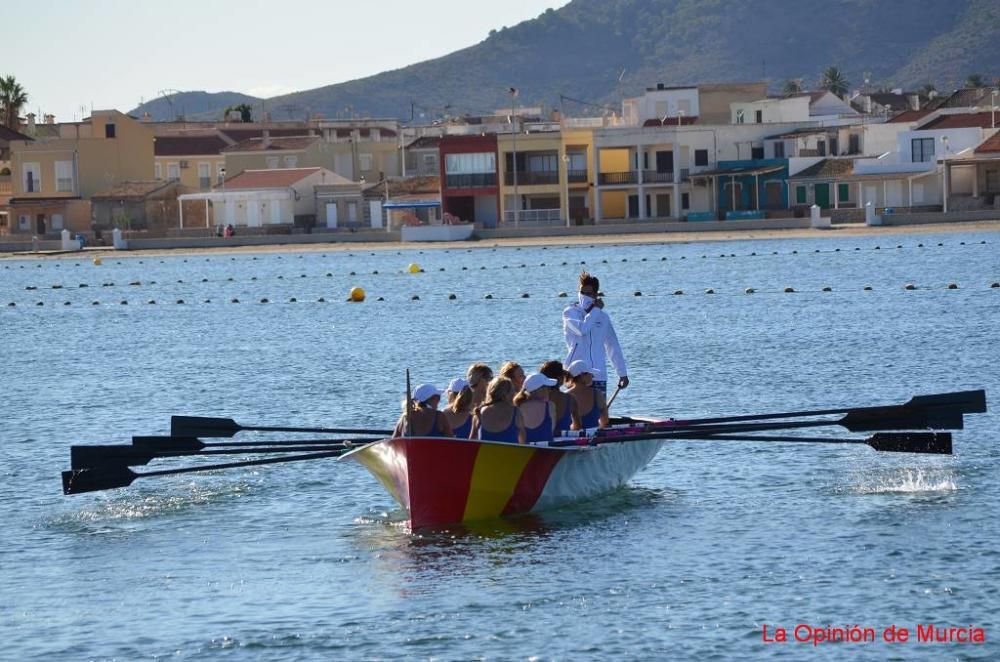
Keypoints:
pixel 618 178
pixel 657 177
pixel 534 217
pixel 532 178
pixel 577 176
pixel 475 180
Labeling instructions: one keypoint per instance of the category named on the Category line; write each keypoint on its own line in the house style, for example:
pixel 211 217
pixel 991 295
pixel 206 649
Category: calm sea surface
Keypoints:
pixel 308 561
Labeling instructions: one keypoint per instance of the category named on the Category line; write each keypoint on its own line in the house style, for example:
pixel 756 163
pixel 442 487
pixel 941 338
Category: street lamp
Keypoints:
pixel 565 159
pixel 513 133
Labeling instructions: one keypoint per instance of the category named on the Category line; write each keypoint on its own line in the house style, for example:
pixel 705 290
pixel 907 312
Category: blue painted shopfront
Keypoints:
pixel 749 185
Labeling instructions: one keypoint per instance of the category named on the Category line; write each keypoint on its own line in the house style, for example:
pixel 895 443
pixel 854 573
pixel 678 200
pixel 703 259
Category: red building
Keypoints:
pixel 469 178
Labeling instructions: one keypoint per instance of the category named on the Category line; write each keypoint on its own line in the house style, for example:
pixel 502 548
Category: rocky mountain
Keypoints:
pixel 596 51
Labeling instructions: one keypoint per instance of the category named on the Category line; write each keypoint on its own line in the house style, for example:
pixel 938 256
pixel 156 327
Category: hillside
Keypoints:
pixel 193 104
pixel 581 50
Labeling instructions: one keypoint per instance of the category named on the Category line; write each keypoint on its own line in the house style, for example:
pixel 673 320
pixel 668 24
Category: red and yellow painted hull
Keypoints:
pixel 443 481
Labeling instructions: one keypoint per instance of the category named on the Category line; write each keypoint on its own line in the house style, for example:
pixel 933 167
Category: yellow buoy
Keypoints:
pixel 357 294
pixel 414 268
pixel 97 261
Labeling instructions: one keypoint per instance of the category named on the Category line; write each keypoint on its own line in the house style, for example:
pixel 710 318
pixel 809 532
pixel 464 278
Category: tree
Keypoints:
pixel 833 80
pixel 793 86
pixel 244 109
pixel 975 80
pixel 12 99
pixel 929 90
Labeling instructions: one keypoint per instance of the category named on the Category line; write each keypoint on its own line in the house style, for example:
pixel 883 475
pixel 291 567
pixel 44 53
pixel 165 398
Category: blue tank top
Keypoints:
pixel 508 434
pixel 463 430
pixel 544 430
pixel 593 417
pixel 566 420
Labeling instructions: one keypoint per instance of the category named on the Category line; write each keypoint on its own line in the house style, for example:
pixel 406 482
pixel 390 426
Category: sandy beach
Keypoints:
pixel 840 231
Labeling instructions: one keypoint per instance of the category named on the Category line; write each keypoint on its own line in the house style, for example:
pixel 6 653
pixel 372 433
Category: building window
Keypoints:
pixel 779 149
pixel 684 107
pixel 756 152
pixel 464 164
pixel 64 176
pixel 365 162
pixel 759 116
pixel 843 192
pixel 23 222
pixel 701 157
pixel 352 212
pixel 740 116
pixel 173 171
pixel 661 109
pixel 291 161
pixel 854 144
pixel 32 177
pixel 272 162
pixel 109 130
pixel 800 195
pixel 685 200
pixel 157 171
pixel 430 162
pixel 922 150
pixel 204 175
pixel 821 147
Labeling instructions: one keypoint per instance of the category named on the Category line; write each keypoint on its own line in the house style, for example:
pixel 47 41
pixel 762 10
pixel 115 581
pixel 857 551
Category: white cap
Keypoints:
pixel 578 367
pixel 425 392
pixel 535 381
pixel 457 385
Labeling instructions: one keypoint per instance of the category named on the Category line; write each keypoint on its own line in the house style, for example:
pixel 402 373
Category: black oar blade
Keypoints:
pixel 911 442
pixel 169 443
pixel 967 402
pixel 203 426
pixel 87 457
pixel 93 480
pixel 903 418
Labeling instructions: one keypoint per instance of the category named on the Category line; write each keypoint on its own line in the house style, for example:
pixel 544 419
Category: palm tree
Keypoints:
pixel 833 80
pixel 793 86
pixel 244 109
pixel 12 99
pixel 929 90
pixel 974 80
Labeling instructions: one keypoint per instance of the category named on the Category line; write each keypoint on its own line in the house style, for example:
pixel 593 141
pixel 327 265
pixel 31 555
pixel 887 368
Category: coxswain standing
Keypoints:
pixel 591 336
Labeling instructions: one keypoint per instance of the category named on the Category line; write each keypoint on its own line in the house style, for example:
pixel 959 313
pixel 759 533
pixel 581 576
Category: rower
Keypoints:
pixel 539 414
pixel 478 376
pixel 458 411
pixel 515 373
pixel 425 419
pixel 567 410
pixel 498 419
pixel 593 408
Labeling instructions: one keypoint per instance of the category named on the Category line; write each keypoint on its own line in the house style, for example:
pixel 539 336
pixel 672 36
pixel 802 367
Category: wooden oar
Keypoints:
pixel 204 426
pixel 195 444
pixel 407 430
pixel 939 411
pixel 899 442
pixel 86 457
pixel 106 478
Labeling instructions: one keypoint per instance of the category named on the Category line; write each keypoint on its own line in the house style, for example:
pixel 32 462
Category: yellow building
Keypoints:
pixel 552 182
pixel 54 175
pixel 195 161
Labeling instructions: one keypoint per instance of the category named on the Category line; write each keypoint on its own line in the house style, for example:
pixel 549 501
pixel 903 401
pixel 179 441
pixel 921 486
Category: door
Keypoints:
pixel 331 214
pixel 57 222
pixel 823 195
pixel 662 205
pixel 894 193
pixel 253 215
pixel 633 206
pixel 40 224
pixel 665 161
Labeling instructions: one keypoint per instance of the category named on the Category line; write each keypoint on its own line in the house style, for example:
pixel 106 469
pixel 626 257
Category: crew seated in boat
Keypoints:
pixel 458 411
pixel 498 419
pixel 593 408
pixel 567 410
pixel 515 373
pixel 539 414
pixel 479 376
pixel 425 419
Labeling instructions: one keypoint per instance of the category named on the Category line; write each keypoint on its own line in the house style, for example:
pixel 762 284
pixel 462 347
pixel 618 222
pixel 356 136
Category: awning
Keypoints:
pixel 411 204
pixel 738 171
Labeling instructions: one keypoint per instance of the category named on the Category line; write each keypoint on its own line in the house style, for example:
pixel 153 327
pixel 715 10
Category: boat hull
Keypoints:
pixel 443 481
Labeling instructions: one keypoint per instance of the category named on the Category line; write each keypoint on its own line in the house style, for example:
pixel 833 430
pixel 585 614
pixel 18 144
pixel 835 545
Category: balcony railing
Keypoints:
pixel 618 178
pixel 477 180
pixel 534 216
pixel 531 178
pixel 577 176
pixel 657 177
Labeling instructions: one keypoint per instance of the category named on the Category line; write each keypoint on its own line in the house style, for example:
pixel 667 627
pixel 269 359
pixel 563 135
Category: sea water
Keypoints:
pixel 709 544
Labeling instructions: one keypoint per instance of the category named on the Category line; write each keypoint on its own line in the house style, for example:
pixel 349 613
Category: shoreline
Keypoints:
pixel 587 240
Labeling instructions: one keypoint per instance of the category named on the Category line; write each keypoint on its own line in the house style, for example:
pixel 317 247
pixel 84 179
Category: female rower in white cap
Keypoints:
pixel 593 408
pixel 539 414
pixel 425 419
pixel 567 411
pixel 498 419
pixel 458 411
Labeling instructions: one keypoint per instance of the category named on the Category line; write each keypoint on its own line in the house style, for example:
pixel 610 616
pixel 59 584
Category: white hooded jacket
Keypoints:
pixel 591 336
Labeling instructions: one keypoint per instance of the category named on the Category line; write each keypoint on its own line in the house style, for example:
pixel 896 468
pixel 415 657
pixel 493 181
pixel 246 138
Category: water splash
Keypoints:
pixel 905 481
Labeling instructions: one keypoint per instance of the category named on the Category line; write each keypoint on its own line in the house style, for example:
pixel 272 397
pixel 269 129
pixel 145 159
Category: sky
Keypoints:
pixel 71 55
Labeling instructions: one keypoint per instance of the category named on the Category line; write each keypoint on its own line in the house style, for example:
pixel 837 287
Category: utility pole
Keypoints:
pixel 513 133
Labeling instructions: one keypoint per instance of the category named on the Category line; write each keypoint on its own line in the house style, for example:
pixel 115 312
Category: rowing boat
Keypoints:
pixel 442 481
